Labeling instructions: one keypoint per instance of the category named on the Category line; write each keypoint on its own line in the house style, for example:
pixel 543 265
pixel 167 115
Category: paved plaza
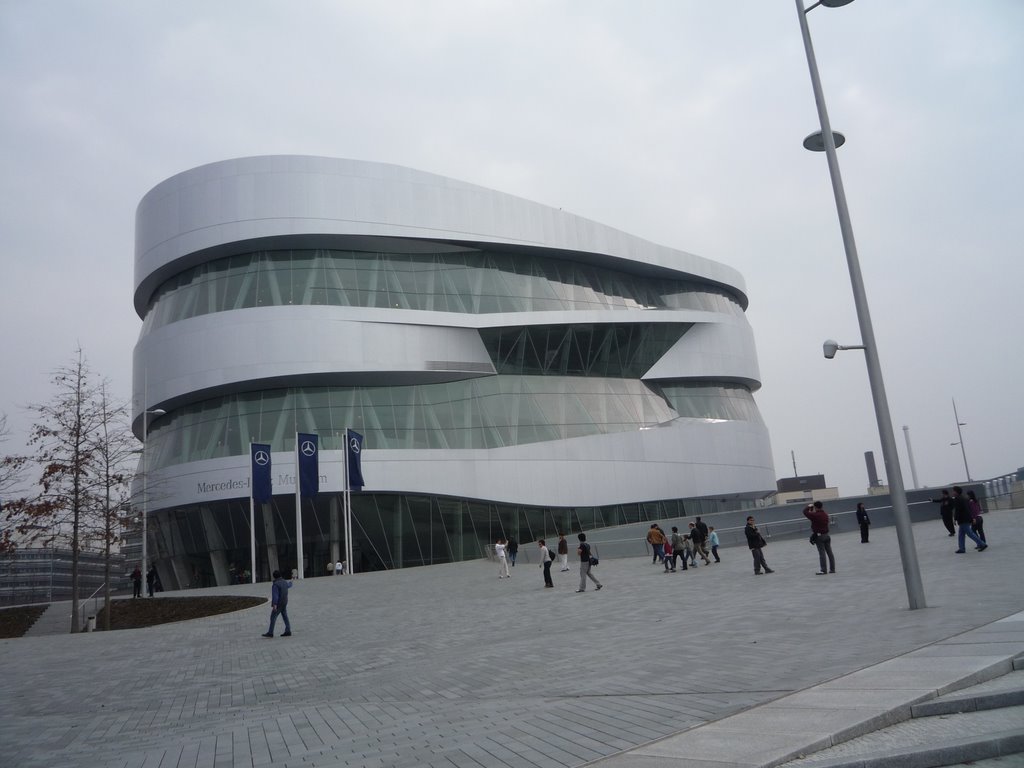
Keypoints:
pixel 451 666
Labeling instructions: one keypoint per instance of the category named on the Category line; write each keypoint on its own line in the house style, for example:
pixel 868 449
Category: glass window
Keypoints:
pixel 467 281
pixel 486 412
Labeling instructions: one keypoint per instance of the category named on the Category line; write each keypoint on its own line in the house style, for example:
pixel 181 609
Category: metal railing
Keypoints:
pixel 85 604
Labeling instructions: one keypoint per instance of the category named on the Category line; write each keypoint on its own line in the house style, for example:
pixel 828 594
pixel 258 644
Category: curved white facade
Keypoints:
pixel 490 348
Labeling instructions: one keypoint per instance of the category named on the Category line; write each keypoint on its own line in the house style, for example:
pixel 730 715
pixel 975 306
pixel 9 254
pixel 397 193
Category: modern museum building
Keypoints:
pixel 515 370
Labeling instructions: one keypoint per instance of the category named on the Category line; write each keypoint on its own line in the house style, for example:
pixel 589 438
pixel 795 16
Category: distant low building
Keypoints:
pixel 43 575
pixel 804 489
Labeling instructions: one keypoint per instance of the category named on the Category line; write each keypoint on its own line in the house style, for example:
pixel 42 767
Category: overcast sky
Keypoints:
pixel 679 121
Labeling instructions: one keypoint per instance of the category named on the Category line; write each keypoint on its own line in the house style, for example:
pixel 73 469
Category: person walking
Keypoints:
pixel 513 550
pixel 136 582
pixel 946 511
pixel 697 538
pixel 499 552
pixel 819 535
pixel 545 562
pixel 757 544
pixel 563 552
pixel 279 604
pixel 669 555
pixel 713 541
pixel 583 550
pixel 151 580
pixel 977 521
pixel 704 532
pixel 339 568
pixel 656 539
pixel 678 548
pixel 963 516
pixel 863 521
pixel 689 551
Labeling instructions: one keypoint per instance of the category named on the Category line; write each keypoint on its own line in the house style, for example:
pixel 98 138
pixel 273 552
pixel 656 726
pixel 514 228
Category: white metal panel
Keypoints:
pixel 248 345
pixel 688 458
pixel 722 349
pixel 258 197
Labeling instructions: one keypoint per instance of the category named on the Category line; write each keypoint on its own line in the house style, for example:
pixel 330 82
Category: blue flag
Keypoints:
pixel 309 465
pixel 262 488
pixel 354 448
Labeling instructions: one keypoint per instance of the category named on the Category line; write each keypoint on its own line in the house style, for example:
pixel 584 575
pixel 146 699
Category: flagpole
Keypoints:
pixel 347 498
pixel 259 467
pixel 252 517
pixel 252 521
pixel 298 509
pixel 252 542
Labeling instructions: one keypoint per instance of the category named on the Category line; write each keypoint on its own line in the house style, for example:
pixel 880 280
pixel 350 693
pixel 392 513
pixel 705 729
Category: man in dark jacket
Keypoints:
pixel 822 540
pixel 698 538
pixel 863 521
pixel 583 550
pixel 703 528
pixel 279 605
pixel 964 516
pixel 756 543
pixel 946 510
pixel 513 550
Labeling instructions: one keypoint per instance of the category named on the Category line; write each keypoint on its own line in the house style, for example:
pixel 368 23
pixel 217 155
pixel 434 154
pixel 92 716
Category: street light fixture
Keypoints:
pixel 828 143
pixel 830 347
pixel 960 434
pixel 156 413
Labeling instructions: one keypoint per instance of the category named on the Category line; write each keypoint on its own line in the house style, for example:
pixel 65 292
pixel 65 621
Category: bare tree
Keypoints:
pixel 10 473
pixel 113 446
pixel 67 443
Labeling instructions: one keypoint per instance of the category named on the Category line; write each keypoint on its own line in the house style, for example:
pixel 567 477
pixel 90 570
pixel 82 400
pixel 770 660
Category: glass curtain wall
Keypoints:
pixel 468 281
pixel 488 412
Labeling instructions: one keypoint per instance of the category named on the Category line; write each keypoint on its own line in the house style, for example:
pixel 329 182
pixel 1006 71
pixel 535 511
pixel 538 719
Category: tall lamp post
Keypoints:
pixel 960 435
pixel 156 413
pixel 827 141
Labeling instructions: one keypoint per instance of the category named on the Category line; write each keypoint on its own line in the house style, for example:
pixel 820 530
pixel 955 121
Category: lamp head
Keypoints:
pixel 829 348
pixel 835 3
pixel 816 141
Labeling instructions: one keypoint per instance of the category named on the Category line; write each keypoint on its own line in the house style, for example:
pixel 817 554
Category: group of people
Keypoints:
pixel 153 584
pixel 505 551
pixel 337 568
pixel 820 537
pixel 700 541
pixel 965 511
pixel 583 551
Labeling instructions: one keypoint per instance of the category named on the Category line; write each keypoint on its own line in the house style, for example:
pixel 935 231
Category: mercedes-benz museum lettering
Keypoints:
pixel 513 369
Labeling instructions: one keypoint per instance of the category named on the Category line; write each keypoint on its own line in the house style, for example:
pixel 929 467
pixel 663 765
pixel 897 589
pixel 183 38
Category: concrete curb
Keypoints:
pixel 967 750
pixel 969 704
